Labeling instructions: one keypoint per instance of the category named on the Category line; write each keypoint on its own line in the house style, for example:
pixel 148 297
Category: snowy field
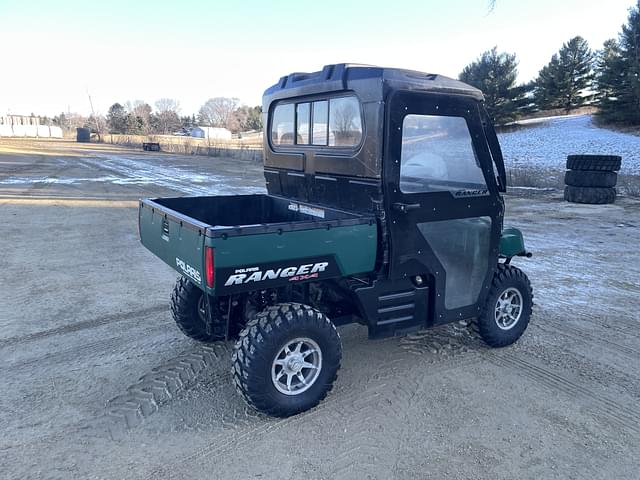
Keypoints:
pixel 545 144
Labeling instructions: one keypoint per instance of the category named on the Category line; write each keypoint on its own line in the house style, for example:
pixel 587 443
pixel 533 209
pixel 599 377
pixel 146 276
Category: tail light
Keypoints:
pixel 208 266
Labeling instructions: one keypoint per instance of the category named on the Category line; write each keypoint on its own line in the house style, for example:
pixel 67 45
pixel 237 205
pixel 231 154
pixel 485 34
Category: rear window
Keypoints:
pixel 333 122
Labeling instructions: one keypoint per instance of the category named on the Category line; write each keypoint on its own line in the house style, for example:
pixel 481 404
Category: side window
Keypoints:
pixel 282 125
pixel 345 124
pixel 320 121
pixel 303 123
pixel 438 155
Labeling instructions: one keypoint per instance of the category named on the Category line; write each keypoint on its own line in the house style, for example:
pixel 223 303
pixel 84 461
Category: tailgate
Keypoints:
pixel 177 239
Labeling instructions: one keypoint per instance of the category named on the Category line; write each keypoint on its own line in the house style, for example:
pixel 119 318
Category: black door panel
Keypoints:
pixel 445 214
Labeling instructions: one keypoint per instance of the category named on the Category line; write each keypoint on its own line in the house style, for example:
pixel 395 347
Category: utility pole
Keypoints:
pixel 95 117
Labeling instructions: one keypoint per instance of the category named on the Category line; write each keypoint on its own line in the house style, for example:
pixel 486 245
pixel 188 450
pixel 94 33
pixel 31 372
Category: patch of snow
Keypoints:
pixel 547 145
pixel 539 189
pixel 138 171
pixel 134 170
pixel 55 181
pixel 531 121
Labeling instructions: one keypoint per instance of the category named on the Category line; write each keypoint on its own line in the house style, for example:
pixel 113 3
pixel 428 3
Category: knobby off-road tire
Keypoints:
pixel 586 178
pixel 607 163
pixel 507 309
pixel 592 195
pixel 188 310
pixel 264 358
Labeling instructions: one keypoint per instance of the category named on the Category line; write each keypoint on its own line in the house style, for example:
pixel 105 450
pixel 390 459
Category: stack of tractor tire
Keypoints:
pixel 591 178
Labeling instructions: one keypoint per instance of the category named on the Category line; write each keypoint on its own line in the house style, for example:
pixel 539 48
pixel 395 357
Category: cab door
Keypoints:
pixel 445 212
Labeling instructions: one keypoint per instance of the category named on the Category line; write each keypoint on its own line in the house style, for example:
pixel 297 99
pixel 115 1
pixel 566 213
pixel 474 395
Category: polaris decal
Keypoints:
pixel 314 212
pixel 188 270
pixel 276 274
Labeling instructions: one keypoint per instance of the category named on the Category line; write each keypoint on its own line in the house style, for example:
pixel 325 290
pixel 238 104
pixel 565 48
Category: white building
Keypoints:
pixel 210 133
pixel 26 126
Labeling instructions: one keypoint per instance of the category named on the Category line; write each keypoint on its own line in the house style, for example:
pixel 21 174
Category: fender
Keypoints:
pixel 512 243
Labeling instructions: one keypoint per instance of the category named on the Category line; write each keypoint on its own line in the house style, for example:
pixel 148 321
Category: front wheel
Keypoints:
pixel 286 359
pixel 507 309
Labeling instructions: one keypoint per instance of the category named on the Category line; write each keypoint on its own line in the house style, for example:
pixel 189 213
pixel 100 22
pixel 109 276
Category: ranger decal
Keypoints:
pixel 296 273
pixel 243 278
pixel 472 193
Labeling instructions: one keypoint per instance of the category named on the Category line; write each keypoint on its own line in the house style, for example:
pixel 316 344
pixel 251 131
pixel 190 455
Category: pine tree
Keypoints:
pixel 609 71
pixel 495 74
pixel 117 119
pixel 618 78
pixel 566 80
pixel 546 91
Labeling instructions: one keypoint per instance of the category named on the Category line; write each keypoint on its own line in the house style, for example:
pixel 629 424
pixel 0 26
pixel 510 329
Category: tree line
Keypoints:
pixel 576 76
pixel 139 118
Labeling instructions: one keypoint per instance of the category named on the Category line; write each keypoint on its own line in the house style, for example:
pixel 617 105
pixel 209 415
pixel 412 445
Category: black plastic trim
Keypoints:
pixel 351 219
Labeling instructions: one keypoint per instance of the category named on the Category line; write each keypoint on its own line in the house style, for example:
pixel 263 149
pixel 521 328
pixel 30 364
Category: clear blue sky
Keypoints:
pixel 53 51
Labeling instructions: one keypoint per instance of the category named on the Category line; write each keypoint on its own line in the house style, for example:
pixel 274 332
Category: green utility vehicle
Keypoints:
pixel 383 208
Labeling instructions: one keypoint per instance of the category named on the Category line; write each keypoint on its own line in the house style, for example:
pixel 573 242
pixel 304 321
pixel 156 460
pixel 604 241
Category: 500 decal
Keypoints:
pixel 188 270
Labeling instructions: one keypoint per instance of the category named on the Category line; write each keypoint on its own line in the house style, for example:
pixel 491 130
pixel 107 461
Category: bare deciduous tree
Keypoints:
pixel 248 118
pixel 167 119
pixel 142 112
pixel 168 105
pixel 218 112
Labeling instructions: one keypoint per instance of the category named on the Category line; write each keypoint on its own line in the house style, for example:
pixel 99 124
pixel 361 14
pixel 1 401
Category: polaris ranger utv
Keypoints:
pixel 383 208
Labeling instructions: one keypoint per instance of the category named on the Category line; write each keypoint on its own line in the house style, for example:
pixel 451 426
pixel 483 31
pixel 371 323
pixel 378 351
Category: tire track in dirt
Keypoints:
pixel 625 327
pixel 627 419
pixel 20 296
pixel 159 386
pixel 602 319
pixel 445 340
pixel 86 324
pixel 362 456
pixel 385 388
pixel 79 351
pixel 148 395
pixel 581 334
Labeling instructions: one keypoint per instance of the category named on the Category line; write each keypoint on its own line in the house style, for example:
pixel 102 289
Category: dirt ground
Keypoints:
pixel 86 335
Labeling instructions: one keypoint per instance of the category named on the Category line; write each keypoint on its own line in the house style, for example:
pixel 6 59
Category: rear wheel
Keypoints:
pixel 286 359
pixel 188 308
pixel 507 309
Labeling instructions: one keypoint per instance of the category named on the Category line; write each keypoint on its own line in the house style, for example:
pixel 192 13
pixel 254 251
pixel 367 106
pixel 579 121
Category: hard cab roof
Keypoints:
pixel 369 82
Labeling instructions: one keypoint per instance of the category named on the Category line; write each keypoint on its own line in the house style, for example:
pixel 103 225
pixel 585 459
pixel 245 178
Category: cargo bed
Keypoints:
pixel 256 241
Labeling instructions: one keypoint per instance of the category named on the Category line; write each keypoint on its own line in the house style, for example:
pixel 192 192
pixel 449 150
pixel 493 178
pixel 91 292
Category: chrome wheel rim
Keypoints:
pixel 296 366
pixel 508 309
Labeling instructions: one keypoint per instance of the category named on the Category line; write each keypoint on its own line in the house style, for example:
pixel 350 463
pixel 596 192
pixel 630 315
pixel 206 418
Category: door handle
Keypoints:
pixel 405 207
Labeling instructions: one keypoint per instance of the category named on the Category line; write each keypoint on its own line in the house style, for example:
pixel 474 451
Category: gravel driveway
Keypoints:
pixel 87 338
